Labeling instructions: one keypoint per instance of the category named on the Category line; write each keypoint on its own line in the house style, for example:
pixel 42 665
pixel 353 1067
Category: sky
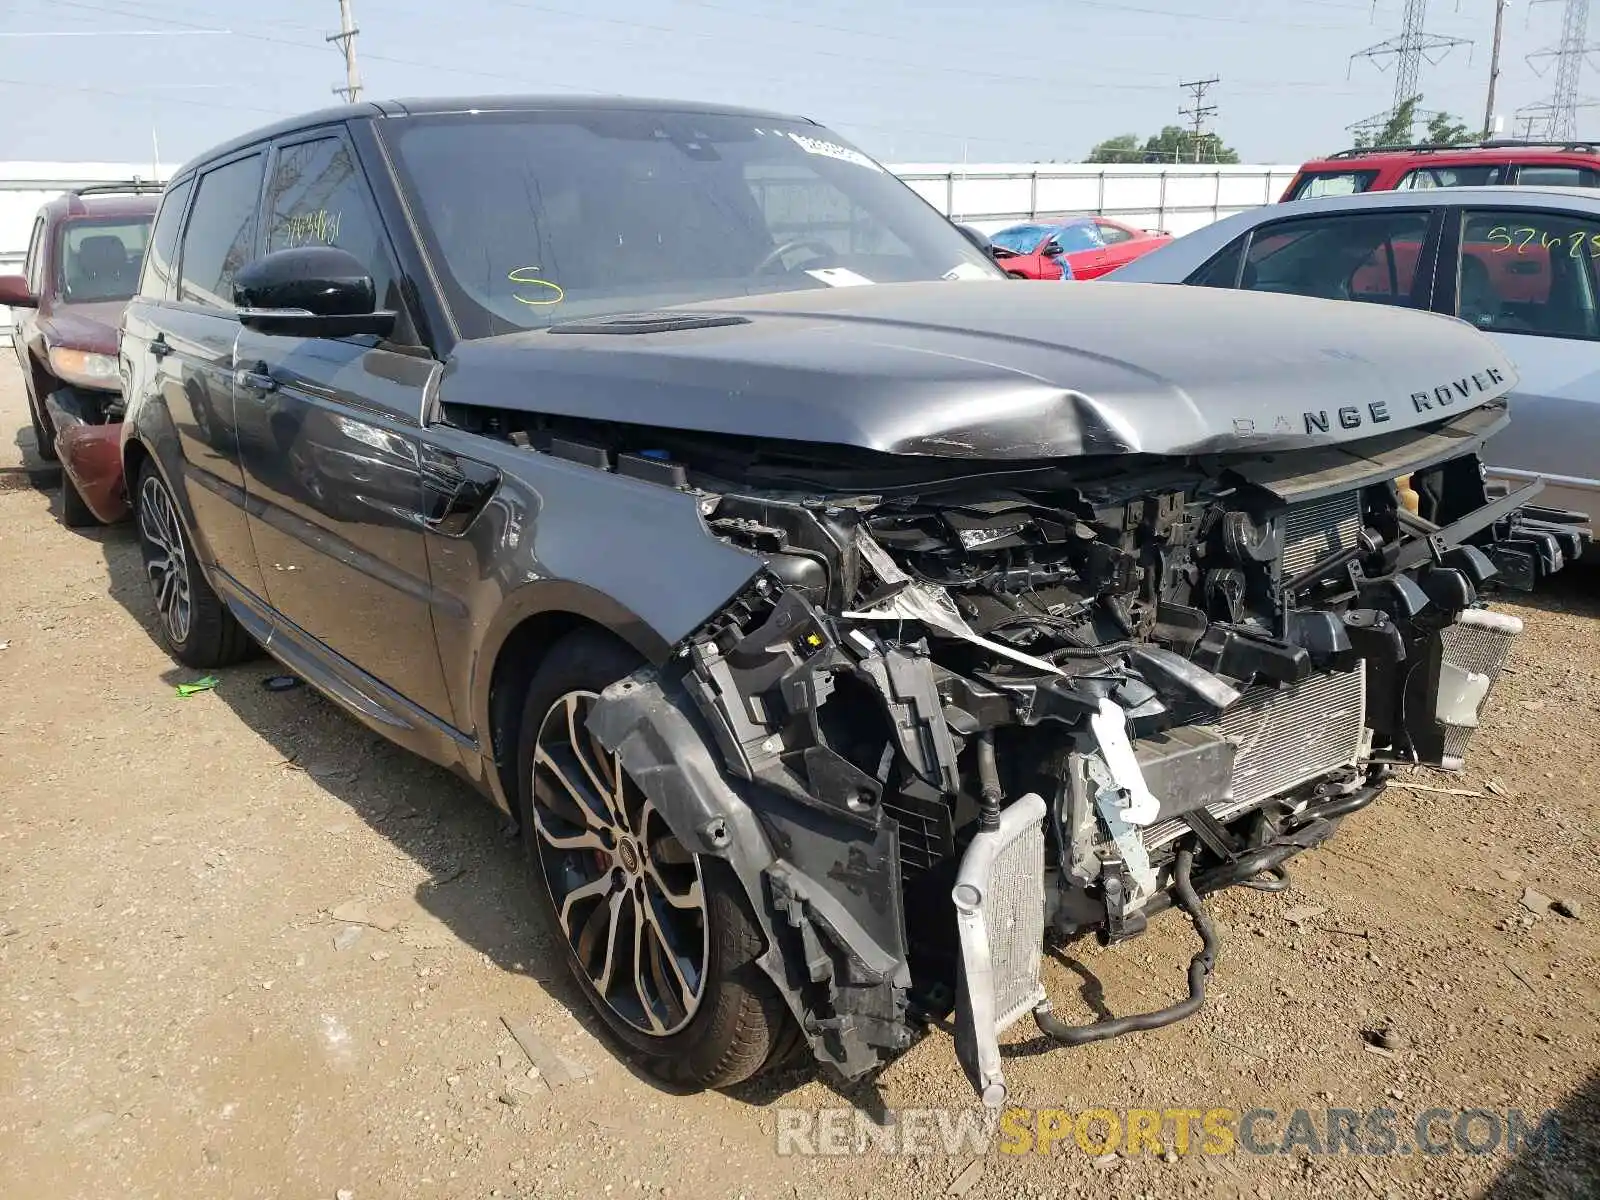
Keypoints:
pixel 931 81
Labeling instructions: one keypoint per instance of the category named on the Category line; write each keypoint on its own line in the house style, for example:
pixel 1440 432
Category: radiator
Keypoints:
pixel 999 900
pixel 1285 738
pixel 1313 531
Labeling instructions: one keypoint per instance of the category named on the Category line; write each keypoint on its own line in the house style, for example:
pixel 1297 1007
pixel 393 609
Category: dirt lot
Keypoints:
pixel 247 949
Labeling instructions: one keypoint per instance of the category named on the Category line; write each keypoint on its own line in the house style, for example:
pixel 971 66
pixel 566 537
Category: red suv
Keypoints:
pixel 82 268
pixel 1400 168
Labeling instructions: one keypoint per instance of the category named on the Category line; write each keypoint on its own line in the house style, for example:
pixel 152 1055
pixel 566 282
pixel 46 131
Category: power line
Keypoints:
pixel 1406 52
pixel 1559 114
pixel 346 40
pixel 1201 112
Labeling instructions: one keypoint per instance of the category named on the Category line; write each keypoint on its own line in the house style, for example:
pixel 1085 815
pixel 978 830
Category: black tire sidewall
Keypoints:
pixel 75 514
pixel 692 1056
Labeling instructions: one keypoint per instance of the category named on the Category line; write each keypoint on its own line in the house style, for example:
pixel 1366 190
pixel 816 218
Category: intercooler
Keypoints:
pixel 1317 529
pixel 1284 737
pixel 1472 652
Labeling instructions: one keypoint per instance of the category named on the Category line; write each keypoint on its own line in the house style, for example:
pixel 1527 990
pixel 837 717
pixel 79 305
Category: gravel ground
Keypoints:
pixel 247 949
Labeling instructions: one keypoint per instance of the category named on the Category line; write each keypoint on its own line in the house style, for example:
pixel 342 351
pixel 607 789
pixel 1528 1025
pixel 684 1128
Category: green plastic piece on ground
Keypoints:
pixel 185 690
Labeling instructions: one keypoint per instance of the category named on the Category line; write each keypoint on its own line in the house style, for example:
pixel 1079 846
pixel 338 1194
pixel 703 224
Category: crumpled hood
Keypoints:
pixel 1006 370
pixel 91 326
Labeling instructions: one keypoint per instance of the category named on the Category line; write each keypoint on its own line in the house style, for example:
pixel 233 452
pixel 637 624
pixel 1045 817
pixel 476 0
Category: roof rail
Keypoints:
pixel 1496 144
pixel 134 186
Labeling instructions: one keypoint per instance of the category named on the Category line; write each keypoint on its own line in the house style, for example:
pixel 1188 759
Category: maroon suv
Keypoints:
pixel 83 266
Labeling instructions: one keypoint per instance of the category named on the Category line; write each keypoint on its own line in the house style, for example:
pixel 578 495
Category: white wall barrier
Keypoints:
pixel 1176 197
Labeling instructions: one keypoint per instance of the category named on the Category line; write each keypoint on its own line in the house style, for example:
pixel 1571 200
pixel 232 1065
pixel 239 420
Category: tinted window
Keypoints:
pixel 1557 177
pixel 100 260
pixel 1223 270
pixel 1021 239
pixel 1448 177
pixel 534 218
pixel 1359 256
pixel 163 252
pixel 1332 183
pixel 221 234
pixel 1112 234
pixel 1529 272
pixel 318 196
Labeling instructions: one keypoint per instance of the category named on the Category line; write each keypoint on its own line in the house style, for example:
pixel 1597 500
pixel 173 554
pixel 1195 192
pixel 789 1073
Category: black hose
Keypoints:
pixel 1277 881
pixel 988 783
pixel 1200 966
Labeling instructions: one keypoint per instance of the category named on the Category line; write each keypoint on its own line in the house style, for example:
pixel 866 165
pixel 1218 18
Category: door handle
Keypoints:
pixel 256 378
pixel 159 347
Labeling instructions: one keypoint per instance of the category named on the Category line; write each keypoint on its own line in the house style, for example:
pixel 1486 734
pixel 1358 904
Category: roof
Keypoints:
pixel 134 199
pixel 439 105
pixel 1500 151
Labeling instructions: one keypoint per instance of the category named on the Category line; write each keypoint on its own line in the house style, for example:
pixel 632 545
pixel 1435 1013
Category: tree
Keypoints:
pixel 1173 144
pixel 1443 129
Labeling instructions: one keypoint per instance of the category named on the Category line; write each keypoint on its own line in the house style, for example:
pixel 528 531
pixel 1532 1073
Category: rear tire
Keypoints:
pixel 191 621
pixel 626 900
pixel 75 514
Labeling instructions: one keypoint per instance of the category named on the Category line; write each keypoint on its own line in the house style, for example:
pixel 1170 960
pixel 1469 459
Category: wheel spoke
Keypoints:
pixel 602 923
pixel 586 839
pixel 577 740
pixel 593 810
pixel 689 899
pixel 639 959
pixel 667 954
pixel 586 891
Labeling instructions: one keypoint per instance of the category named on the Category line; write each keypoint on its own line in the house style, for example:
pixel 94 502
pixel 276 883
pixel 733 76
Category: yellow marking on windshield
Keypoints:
pixel 524 276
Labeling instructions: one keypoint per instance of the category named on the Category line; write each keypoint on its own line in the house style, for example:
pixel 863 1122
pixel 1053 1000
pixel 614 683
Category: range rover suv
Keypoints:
pixel 837 619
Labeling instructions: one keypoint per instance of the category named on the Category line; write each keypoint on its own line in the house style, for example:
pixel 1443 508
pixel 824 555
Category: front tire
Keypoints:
pixel 660 941
pixel 191 621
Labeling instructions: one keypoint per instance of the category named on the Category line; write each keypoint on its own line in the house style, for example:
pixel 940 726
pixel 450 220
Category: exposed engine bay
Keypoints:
pixel 965 707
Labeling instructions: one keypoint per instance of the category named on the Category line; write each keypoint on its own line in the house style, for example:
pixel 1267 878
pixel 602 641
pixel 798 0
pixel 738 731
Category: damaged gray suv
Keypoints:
pixel 838 620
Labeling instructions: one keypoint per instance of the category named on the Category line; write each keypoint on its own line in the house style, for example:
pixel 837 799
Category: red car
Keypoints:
pixel 1088 246
pixel 82 268
pixel 1488 164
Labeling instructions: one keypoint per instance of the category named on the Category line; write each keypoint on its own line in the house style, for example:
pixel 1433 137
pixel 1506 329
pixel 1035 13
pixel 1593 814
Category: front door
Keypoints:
pixel 329 441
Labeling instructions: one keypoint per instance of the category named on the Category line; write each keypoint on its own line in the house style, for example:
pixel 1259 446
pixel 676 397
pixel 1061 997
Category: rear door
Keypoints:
pixel 1530 279
pixel 330 440
pixel 192 344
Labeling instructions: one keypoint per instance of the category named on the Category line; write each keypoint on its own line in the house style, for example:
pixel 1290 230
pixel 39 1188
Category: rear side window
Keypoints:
pixel 1332 183
pixel 221 234
pixel 1371 257
pixel 1484 175
pixel 1223 270
pixel 1557 176
pixel 1112 234
pixel 156 281
pixel 1529 272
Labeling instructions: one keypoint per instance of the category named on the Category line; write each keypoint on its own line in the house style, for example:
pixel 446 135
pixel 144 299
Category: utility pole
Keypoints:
pixel 1494 66
pixel 346 38
pixel 1201 112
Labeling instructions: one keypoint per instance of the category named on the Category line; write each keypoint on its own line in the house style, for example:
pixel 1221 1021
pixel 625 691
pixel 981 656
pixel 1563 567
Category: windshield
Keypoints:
pixel 100 260
pixel 535 218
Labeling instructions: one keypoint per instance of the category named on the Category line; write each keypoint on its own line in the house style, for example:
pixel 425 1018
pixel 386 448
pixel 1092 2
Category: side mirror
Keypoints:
pixel 14 292
pixel 310 291
pixel 1051 250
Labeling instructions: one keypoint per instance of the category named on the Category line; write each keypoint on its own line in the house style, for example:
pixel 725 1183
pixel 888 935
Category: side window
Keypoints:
pixel 34 268
pixel 156 279
pixel 1332 183
pixel 1359 256
pixel 1223 270
pixel 221 235
pixel 1112 234
pixel 1529 272
pixel 1557 177
pixel 1481 175
pixel 317 195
